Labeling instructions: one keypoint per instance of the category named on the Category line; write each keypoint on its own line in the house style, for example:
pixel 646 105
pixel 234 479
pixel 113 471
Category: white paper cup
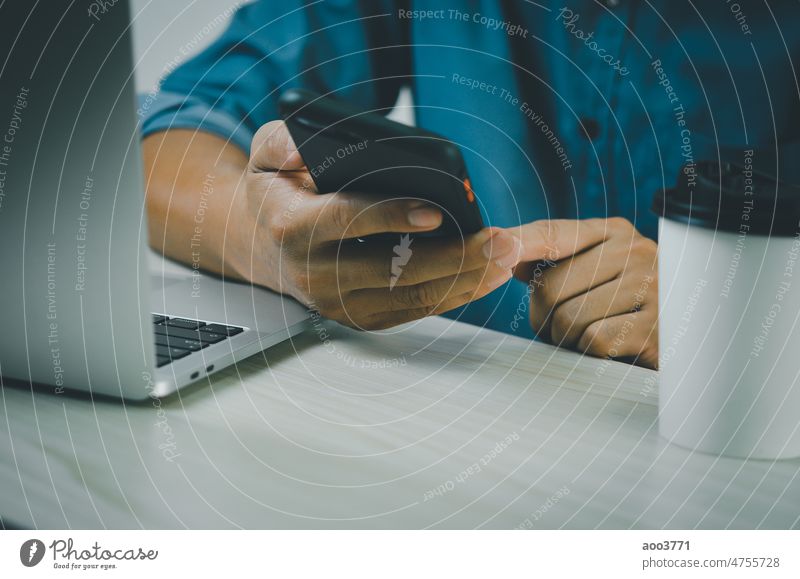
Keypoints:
pixel 729 340
pixel 729 334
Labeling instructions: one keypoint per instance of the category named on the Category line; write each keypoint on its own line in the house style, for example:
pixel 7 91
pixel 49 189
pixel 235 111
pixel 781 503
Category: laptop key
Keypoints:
pixel 184 323
pixel 172 353
pixel 203 337
pixel 182 343
pixel 162 361
pixel 210 338
pixel 220 329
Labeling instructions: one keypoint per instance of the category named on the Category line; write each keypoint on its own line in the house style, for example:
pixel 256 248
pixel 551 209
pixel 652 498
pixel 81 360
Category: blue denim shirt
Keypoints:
pixel 562 110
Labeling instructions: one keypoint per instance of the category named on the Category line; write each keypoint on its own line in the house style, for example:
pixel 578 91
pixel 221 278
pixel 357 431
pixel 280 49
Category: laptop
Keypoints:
pixel 84 307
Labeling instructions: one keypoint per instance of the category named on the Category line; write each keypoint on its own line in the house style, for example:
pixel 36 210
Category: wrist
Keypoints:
pixel 237 257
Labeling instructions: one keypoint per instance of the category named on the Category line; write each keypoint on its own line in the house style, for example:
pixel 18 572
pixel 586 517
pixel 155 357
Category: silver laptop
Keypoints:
pixel 83 308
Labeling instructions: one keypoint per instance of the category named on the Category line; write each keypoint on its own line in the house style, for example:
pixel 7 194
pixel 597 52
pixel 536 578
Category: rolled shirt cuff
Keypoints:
pixel 164 111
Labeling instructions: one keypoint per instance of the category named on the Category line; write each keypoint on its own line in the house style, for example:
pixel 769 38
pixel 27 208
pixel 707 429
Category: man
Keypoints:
pixel 569 118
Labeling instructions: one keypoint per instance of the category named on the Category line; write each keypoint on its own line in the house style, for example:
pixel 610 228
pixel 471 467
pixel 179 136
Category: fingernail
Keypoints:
pixel 424 217
pixel 498 247
pixel 290 146
pixel 512 257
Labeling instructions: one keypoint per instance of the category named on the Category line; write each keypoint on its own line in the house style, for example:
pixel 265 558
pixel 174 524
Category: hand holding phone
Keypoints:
pixel 299 242
pixel 346 149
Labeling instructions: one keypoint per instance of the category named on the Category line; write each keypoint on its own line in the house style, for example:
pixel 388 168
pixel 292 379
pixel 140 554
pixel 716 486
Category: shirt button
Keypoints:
pixel 589 129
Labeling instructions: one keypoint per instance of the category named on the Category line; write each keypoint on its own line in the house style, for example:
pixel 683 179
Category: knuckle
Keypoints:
pixel 536 324
pixel 650 249
pixel 341 214
pixel 425 311
pixel 619 224
pixel 564 320
pixel 409 275
pixel 547 293
pixel 277 226
pixel 643 246
pixel 407 297
pixel 597 339
pixel 539 316
pixel 425 295
pixel 433 310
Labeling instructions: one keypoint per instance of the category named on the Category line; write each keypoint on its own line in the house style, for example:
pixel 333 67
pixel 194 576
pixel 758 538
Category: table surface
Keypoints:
pixel 435 424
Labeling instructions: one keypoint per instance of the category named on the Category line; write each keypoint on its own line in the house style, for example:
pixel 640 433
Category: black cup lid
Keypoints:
pixel 731 197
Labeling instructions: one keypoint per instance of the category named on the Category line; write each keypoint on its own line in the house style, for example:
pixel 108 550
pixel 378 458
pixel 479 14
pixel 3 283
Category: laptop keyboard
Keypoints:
pixel 177 338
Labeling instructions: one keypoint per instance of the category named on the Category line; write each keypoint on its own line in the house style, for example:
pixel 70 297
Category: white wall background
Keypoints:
pixel 167 32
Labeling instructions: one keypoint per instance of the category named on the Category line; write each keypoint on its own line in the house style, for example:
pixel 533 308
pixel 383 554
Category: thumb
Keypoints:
pixel 273 149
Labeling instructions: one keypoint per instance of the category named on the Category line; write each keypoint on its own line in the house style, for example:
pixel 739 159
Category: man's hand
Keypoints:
pixel 594 286
pixel 301 243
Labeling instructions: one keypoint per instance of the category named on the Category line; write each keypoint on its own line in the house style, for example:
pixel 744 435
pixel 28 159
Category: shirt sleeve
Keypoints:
pixel 358 51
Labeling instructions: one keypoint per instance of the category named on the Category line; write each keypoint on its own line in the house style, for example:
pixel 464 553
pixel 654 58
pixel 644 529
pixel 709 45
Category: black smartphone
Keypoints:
pixel 347 149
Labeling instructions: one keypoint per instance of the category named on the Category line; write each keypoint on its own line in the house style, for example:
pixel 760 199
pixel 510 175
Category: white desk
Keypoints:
pixel 299 438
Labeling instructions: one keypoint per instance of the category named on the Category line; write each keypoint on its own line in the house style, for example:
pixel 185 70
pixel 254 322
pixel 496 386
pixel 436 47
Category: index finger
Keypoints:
pixel 555 239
